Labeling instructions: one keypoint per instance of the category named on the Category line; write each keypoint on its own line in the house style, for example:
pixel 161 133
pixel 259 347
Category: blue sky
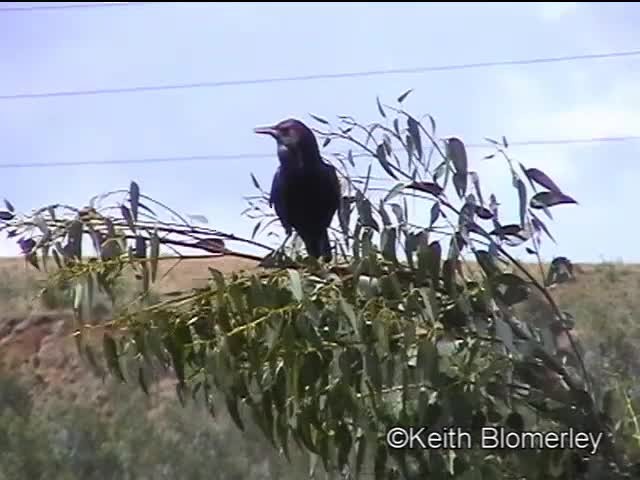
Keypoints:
pixel 183 43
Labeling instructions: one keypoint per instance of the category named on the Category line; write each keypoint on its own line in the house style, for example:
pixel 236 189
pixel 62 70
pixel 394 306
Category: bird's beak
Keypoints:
pixel 266 131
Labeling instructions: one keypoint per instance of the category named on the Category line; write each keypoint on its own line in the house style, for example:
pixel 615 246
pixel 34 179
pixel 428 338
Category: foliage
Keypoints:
pixel 404 330
pixel 69 441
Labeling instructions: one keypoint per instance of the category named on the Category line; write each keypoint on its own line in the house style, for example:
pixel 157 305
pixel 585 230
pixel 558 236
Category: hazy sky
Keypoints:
pixel 86 49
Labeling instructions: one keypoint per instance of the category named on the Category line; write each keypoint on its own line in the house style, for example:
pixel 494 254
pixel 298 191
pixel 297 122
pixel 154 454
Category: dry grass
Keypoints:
pixel 612 286
pixel 191 273
pixel 20 283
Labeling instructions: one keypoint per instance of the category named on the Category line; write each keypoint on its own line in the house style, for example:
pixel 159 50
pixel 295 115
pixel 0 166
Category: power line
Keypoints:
pixel 190 158
pixel 566 141
pixel 73 6
pixel 318 76
pixel 250 156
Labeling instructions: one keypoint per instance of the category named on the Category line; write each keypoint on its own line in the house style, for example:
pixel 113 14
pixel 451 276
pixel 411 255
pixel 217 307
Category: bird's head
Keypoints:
pixel 289 132
pixel 293 136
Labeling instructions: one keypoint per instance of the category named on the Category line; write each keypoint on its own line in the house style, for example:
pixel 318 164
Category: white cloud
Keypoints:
pixel 8 247
pixel 597 110
pixel 584 103
pixel 553 11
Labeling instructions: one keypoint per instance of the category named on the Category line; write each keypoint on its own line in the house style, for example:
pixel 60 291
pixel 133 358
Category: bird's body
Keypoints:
pixel 305 191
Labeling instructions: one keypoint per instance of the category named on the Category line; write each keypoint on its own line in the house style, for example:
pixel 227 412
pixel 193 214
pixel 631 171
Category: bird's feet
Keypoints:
pixel 278 258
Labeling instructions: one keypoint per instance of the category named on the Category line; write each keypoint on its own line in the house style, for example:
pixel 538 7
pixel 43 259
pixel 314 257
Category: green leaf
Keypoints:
pixel 282 429
pixel 360 454
pixel 399 213
pixel 404 95
pixel 427 187
pixel 319 119
pixel 350 364
pixel 541 178
pixel 152 339
pixel 505 334
pixel 427 361
pixel 609 401
pixel 111 355
pixel 457 154
pixel 365 213
pixel 349 312
pixel 74 246
pixel 380 109
pixel 232 407
pixel 56 258
pixel 93 363
pixel 511 289
pixel 311 370
pixel 126 214
pixel 344 216
pixel 386 221
pixel 313 464
pixel 544 200
pixel 176 351
pixel 435 214
pixel 296 284
pixel 487 263
pixel 302 432
pixel 267 412
pixel 380 462
pixel 279 389
pixel 390 287
pixel 366 181
pixel 78 296
pixel 414 131
pixel 396 126
pixel 372 369
pixel 141 247
pixel 198 218
pixel 218 278
pixel 90 289
pixel 448 276
pixel 381 155
pixel 134 199
pixel 344 442
pixel 434 257
pixel 255 229
pixel 255 182
pixel 41 224
pixel 395 191
pixel 388 244
pixel 32 258
pixel 460 183
pixel 154 254
pixel 142 381
pixel 522 197
pixel 475 180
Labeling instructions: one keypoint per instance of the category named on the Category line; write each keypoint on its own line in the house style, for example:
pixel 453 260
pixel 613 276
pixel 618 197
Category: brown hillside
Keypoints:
pixel 37 342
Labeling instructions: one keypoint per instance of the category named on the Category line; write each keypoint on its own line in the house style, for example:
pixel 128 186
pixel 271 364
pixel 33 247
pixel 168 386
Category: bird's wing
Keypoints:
pixel 334 192
pixel 276 199
pixel 330 195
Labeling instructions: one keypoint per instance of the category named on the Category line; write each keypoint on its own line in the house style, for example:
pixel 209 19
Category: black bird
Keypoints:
pixel 305 190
